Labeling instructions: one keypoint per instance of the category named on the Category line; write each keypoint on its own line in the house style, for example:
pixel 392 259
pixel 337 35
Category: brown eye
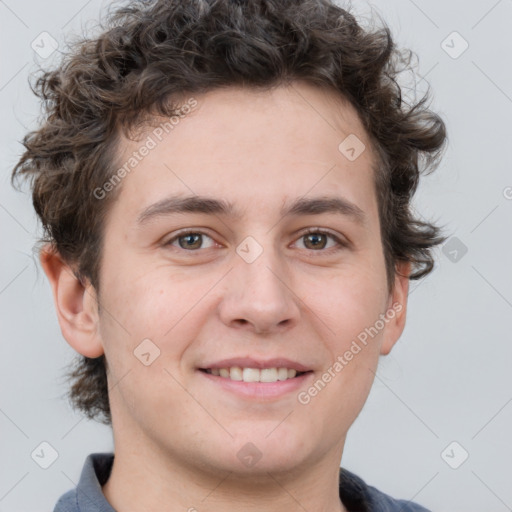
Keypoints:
pixel 318 240
pixel 189 241
pixel 192 241
pixel 315 240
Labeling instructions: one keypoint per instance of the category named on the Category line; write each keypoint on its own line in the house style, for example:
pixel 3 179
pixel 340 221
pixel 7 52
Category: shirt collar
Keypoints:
pixel 95 473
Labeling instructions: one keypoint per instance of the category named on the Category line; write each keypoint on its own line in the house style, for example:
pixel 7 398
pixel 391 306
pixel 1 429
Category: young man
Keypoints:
pixel 225 189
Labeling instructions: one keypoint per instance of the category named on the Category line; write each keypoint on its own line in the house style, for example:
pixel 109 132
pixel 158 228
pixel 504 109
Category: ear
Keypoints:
pixel 76 305
pixel 398 304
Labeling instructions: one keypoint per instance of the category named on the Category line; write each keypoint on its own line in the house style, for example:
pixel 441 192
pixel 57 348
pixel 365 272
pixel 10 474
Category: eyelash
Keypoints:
pixel 341 244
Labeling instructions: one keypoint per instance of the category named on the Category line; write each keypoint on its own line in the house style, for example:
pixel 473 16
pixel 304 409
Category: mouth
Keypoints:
pixel 247 374
pixel 257 379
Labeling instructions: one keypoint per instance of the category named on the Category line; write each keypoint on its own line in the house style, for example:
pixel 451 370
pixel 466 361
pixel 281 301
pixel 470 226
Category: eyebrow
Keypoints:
pixel 211 206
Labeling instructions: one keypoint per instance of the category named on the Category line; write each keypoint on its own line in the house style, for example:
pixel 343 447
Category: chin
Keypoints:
pixel 259 471
pixel 257 455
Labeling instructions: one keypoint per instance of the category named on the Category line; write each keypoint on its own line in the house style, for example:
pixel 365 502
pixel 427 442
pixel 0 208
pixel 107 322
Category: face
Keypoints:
pixel 282 268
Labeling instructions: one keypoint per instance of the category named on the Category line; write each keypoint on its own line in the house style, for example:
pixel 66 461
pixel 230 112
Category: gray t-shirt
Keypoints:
pixel 88 496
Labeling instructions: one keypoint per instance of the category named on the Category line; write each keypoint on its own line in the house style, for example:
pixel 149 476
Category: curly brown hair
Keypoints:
pixel 151 52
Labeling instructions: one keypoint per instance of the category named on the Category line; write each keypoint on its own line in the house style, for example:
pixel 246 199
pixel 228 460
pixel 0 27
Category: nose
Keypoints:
pixel 258 296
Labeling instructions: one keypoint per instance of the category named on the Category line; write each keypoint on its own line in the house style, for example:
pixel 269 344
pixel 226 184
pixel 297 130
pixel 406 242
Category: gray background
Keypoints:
pixel 448 378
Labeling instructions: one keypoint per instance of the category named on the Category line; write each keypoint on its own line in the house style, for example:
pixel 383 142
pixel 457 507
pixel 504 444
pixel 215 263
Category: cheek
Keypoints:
pixel 140 306
pixel 347 303
pixel 350 310
pixel 145 335
pixel 157 304
pixel 147 301
pixel 353 344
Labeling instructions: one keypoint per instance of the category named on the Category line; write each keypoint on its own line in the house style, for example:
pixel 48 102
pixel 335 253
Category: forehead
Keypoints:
pixel 253 148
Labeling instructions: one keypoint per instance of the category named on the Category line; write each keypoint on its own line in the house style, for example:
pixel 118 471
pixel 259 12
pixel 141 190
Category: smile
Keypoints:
pixel 237 373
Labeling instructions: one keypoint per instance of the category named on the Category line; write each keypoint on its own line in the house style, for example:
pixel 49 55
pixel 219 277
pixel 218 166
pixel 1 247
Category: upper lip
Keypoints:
pixel 249 362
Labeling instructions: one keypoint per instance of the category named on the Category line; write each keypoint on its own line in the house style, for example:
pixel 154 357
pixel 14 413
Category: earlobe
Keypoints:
pixel 76 305
pixel 397 308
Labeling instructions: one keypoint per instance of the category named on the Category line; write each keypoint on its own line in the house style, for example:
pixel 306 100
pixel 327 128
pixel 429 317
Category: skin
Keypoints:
pixel 172 426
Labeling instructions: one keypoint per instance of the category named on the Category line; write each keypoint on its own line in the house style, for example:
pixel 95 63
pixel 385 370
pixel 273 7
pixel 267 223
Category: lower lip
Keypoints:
pixel 262 390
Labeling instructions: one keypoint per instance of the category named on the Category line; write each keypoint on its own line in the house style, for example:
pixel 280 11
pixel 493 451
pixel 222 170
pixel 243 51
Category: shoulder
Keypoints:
pixel 357 496
pixel 386 503
pixel 67 502
pixel 88 496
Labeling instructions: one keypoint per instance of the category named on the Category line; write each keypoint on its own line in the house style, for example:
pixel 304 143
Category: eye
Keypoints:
pixel 317 239
pixel 189 240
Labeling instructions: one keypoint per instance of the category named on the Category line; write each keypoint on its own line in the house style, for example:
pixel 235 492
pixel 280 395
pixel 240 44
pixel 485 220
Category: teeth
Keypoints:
pixel 254 374
pixel 268 375
pixel 235 373
pixel 282 374
pixel 250 374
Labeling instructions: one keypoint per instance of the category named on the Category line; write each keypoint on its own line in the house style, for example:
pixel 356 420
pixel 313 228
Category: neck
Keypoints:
pixel 146 479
